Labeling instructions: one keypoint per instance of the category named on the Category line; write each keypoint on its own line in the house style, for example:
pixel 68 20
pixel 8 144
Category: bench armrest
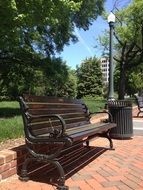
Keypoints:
pixel 32 117
pixel 100 112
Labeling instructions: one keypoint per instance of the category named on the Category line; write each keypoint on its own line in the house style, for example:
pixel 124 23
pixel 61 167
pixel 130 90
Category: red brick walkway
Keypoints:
pixel 121 169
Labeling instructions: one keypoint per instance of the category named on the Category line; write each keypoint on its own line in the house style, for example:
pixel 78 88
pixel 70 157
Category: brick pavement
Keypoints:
pixel 119 169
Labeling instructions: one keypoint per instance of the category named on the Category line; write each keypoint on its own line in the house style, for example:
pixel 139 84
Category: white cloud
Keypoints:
pixel 82 41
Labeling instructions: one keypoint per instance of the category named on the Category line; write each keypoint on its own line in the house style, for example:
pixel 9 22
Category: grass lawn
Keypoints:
pixel 11 128
pixel 95 105
pixel 11 125
pixel 9 108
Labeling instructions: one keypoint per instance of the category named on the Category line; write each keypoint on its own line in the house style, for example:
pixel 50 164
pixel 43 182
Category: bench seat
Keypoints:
pixel 80 132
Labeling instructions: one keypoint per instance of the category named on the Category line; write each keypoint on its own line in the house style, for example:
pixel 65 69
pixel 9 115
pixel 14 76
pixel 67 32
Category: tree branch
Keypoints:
pixel 118 60
pixel 118 39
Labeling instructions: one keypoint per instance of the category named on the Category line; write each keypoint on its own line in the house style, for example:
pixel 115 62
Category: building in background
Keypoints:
pixel 105 69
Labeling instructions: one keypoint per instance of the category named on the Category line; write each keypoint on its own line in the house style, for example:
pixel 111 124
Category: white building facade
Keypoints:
pixel 105 69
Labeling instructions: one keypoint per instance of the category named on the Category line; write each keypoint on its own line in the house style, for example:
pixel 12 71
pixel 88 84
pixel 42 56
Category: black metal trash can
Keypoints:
pixel 121 111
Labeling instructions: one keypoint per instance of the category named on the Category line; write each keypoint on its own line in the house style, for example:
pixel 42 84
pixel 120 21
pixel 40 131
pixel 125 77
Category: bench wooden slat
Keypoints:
pixel 53 111
pixel 48 99
pixel 41 127
pixel 88 127
pixel 87 130
pixel 36 105
pixel 64 116
pixel 77 135
pixel 55 122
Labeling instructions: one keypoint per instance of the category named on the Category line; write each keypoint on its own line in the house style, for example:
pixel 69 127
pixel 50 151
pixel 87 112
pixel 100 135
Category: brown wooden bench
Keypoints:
pixel 61 122
pixel 139 101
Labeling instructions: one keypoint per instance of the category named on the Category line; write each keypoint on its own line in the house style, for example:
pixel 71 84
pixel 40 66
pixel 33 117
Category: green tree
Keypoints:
pixel 89 78
pixel 44 26
pixel 35 30
pixel 70 86
pixel 128 42
pixel 56 73
pixel 58 79
pixel 18 75
pixel 135 80
pixel 128 34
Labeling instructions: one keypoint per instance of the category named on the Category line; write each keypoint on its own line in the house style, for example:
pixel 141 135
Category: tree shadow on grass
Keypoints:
pixel 9 112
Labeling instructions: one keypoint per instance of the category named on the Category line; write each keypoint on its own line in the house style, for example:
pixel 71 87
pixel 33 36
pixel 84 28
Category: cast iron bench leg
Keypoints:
pixel 61 181
pixel 107 135
pixel 87 143
pixel 139 113
pixel 61 185
pixel 24 175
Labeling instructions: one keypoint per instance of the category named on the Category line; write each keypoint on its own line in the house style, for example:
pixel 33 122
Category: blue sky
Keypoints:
pixel 74 54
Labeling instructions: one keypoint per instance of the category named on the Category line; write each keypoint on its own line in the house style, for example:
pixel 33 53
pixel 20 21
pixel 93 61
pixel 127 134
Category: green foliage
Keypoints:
pixel 44 26
pixel 89 78
pixel 33 31
pixel 135 81
pixel 54 78
pixel 129 36
pixel 88 12
pixel 95 104
pixel 128 45
pixel 17 73
pixel 104 43
pixel 58 79
pixel 70 86
pixel 134 78
pixel 46 77
pixel 56 74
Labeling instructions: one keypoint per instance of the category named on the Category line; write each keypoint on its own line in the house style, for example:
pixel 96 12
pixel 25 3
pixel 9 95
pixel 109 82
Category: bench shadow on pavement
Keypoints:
pixel 72 163
pixel 138 117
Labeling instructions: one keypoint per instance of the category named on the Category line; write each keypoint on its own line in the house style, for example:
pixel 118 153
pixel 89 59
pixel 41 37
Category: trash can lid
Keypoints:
pixel 119 103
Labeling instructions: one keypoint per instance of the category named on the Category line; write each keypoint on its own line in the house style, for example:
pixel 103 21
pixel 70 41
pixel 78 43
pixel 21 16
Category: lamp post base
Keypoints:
pixel 111 99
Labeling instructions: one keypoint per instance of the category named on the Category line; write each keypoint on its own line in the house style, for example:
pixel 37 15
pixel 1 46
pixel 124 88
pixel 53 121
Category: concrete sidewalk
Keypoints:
pixel 100 169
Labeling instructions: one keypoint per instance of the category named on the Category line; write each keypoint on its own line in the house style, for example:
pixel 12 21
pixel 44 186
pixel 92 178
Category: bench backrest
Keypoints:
pixel 139 100
pixel 73 111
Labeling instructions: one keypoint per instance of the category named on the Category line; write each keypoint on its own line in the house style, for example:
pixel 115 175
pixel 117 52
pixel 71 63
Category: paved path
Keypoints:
pixel 119 169
pixel 137 123
pixel 138 127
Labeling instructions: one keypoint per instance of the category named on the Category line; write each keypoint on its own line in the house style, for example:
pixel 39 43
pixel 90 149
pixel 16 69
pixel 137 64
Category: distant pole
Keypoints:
pixel 111 21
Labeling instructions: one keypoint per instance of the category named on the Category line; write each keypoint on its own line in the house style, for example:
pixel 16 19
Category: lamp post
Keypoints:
pixel 111 21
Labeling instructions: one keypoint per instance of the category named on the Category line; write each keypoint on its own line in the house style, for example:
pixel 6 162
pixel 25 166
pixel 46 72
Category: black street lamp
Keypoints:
pixel 111 21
